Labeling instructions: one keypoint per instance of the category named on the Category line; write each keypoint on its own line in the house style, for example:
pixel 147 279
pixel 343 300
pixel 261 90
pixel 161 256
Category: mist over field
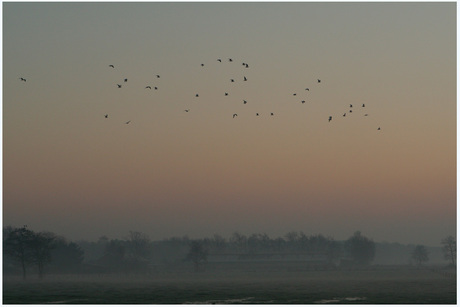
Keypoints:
pixel 295 268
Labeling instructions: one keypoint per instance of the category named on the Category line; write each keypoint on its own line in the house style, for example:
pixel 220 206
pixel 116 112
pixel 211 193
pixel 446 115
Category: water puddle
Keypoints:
pixel 223 302
pixel 340 299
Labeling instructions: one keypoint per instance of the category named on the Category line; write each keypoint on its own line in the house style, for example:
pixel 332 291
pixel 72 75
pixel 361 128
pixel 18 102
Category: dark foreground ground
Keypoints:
pixel 394 285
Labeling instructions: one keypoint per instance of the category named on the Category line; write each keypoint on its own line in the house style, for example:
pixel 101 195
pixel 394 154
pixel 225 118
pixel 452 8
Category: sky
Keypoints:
pixel 169 172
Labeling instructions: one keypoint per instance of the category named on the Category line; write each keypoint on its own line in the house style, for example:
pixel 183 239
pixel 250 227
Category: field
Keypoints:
pixel 247 285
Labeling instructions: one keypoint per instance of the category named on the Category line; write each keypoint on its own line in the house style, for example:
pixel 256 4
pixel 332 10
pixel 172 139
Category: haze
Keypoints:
pixel 69 170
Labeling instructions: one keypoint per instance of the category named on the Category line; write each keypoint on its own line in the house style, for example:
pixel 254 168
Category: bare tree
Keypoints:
pixel 197 254
pixel 16 245
pixel 41 246
pixel 450 249
pixel 420 254
pixel 239 242
pixel 139 244
pixel 27 247
pixel 360 248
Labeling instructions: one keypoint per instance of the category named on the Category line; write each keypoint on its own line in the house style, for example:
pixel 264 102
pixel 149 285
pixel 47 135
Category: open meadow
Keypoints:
pixel 243 285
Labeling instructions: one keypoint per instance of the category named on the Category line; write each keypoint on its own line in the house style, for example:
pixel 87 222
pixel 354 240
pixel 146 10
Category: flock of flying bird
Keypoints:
pixel 232 80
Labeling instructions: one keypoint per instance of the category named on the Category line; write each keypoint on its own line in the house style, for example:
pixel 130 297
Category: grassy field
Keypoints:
pixel 376 286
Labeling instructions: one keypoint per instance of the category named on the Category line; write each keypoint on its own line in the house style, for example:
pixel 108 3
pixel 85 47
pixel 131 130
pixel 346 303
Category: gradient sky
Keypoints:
pixel 69 170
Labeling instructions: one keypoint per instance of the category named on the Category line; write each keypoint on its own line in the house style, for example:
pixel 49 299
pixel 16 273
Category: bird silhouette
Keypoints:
pixel 245 102
pixel 364 105
pixel 245 79
pixel 196 95
pixel 378 128
pixel 149 87
pixel 202 64
pixel 257 114
pixel 303 101
pixel 155 88
pixel 247 66
pixel 22 79
pixel 226 94
pixel 126 80
pixel 111 66
pixel 188 110
pixel 319 81
pixel 351 106
pixel 106 115
pixel 219 60
pixel 232 80
pixel 294 94
pixel 307 89
pixel 119 85
pixel 128 122
pixel 234 115
pixel 271 114
pixel 330 118
pixel 344 114
pixel 230 60
pixel 158 76
pixel 366 114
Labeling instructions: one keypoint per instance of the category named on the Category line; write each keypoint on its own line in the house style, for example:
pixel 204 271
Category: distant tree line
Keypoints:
pixel 25 250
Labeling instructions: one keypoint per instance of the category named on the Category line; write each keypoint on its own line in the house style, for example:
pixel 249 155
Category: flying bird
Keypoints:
pixel 188 110
pixel 232 80
pixel 158 76
pixel 344 114
pixel 128 122
pixel 106 115
pixel 364 105
pixel 245 79
pixel 245 102
pixel 351 106
pixel 271 114
pixel 155 88
pixel 219 60
pixel 378 128
pixel 234 115
pixel 111 66
pixel 196 95
pixel 202 64
pixel 126 80
pixel 148 86
pixel 119 85
pixel 307 89
pixel 247 66
pixel 319 81
pixel 226 94
pixel 330 118
pixel 230 60
pixel 22 79
pixel 294 94
pixel 257 114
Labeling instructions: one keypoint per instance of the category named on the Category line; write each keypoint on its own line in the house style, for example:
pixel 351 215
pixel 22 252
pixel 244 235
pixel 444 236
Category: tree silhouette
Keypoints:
pixel 17 245
pixel 41 245
pixel 420 254
pixel 360 248
pixel 450 249
pixel 27 247
pixel 197 254
pixel 66 257
pixel 138 248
